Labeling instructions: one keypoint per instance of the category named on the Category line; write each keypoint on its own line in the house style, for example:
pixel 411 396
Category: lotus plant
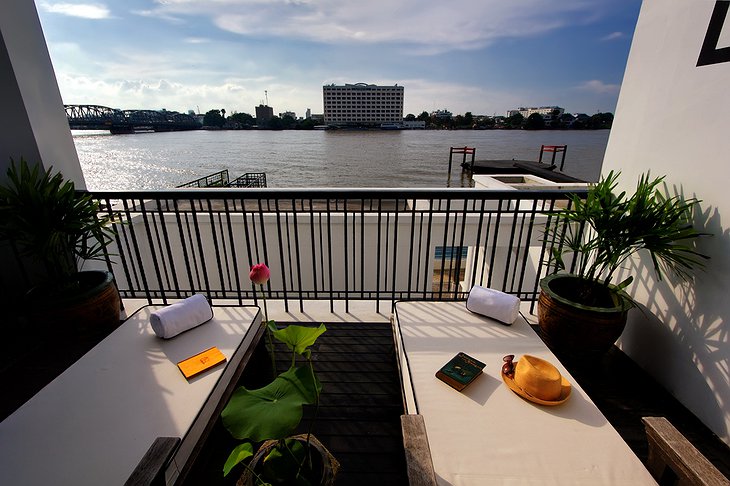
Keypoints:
pixel 275 411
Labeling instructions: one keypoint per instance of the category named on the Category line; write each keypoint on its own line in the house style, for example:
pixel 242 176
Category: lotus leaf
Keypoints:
pixel 299 338
pixel 240 453
pixel 274 411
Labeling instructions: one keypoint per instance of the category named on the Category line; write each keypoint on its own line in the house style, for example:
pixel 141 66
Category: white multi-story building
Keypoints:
pixel 541 110
pixel 362 104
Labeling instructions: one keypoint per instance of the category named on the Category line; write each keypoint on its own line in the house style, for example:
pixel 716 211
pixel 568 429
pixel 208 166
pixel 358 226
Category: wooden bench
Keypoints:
pixel 674 460
pixel 418 454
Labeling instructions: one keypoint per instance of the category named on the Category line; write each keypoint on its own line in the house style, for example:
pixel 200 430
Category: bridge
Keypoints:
pixel 96 117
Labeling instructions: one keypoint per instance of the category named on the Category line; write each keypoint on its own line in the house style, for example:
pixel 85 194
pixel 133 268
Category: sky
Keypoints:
pixel 478 56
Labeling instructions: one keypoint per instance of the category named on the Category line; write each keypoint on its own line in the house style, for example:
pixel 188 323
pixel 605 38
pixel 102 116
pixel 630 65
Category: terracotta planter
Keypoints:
pixel 576 330
pixel 94 307
pixel 326 462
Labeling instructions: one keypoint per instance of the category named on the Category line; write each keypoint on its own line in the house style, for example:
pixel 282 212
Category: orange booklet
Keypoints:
pixel 195 365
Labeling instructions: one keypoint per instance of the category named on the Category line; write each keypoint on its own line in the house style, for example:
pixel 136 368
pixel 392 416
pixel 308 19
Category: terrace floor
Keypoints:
pixel 620 389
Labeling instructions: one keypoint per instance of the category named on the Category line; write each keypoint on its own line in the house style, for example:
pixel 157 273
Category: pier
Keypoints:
pixel 512 166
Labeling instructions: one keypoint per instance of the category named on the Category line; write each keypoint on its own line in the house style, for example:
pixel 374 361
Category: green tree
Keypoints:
pixel 468 118
pixel 275 123
pixel 459 121
pixel 213 118
pixel 601 121
pixel 565 121
pixel 307 124
pixel 534 122
pixel 515 121
pixel 410 117
pixel 487 122
pixel 243 119
pixel 288 122
pixel 424 116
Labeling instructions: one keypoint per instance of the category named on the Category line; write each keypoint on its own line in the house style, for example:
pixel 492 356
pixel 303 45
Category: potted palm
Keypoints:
pixel 584 312
pixel 269 416
pixel 58 229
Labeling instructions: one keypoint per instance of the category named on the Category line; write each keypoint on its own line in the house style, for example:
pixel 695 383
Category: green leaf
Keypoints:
pixel 240 453
pixel 625 283
pixel 299 338
pixel 274 411
pixel 272 325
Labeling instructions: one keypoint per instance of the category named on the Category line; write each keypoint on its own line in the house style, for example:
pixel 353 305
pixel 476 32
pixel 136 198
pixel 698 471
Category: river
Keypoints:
pixel 409 158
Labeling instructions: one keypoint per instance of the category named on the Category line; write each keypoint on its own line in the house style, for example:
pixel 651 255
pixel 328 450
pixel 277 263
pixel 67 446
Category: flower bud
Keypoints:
pixel 259 274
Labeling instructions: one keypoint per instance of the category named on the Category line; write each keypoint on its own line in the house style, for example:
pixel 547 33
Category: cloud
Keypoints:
pixel 158 15
pixel 240 95
pixel 196 40
pixel 613 36
pixel 598 87
pixel 93 11
pixel 432 26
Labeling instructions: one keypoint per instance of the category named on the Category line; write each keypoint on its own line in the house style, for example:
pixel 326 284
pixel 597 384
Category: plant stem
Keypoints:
pixel 316 408
pixel 272 353
pixel 258 478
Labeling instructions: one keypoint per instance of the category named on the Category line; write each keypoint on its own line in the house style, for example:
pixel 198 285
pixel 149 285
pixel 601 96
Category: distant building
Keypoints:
pixel 442 114
pixel 309 114
pixel 548 113
pixel 317 117
pixel 264 113
pixel 362 104
pixel 542 110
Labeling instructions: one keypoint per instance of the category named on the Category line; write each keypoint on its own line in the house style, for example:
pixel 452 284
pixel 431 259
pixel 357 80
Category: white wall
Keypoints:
pixel 33 123
pixel 672 118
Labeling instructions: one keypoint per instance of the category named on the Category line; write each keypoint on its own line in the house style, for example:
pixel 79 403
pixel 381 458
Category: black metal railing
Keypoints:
pixel 249 179
pixel 217 179
pixel 329 244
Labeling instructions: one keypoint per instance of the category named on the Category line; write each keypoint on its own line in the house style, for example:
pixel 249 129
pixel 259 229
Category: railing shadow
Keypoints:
pixel 680 333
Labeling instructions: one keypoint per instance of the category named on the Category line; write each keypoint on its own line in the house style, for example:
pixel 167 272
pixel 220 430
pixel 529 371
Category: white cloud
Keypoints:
pixel 436 26
pixel 240 95
pixel 93 11
pixel 159 15
pixel 598 87
pixel 425 95
pixel 613 36
pixel 196 40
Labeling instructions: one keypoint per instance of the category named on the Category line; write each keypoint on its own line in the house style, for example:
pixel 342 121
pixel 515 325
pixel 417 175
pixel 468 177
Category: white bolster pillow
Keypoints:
pixel 493 303
pixel 170 321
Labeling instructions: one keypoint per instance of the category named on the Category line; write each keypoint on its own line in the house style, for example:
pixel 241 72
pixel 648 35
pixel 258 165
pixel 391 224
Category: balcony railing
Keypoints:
pixel 329 244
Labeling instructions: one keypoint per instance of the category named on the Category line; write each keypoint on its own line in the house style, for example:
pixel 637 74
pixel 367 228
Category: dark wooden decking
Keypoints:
pixel 360 407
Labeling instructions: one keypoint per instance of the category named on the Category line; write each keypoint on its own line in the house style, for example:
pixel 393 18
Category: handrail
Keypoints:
pixel 330 243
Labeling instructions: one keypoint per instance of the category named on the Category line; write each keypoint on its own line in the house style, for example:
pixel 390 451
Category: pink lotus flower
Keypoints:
pixel 259 274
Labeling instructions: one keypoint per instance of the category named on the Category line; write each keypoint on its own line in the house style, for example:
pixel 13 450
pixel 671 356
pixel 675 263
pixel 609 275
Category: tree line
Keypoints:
pixel 556 121
pixel 217 118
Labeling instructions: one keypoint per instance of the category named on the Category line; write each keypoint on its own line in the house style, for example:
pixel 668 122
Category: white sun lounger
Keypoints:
pixel 94 423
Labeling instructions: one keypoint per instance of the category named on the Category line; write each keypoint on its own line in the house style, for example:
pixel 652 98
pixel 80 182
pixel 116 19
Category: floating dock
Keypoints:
pixel 547 171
